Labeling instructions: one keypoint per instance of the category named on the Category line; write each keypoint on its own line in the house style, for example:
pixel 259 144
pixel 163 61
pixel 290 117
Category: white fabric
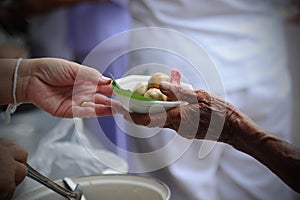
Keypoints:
pixel 245 40
pixel 66 151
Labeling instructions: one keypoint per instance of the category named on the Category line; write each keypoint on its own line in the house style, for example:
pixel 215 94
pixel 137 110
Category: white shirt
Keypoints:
pixel 245 41
pixel 237 34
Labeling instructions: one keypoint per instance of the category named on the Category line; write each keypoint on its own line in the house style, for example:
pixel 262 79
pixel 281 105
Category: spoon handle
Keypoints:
pixel 32 173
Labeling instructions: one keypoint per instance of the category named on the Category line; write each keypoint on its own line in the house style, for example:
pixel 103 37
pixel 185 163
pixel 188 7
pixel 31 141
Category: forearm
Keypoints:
pixel 280 157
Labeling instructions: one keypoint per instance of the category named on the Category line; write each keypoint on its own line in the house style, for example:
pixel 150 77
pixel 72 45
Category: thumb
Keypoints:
pixel 175 92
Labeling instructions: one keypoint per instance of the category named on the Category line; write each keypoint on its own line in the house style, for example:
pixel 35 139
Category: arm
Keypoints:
pixel 195 120
pixel 280 157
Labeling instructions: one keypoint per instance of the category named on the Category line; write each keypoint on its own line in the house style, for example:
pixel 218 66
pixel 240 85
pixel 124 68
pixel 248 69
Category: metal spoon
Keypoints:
pixel 70 184
pixel 76 194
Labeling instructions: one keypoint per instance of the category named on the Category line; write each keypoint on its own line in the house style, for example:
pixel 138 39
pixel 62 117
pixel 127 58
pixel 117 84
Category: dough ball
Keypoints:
pixel 156 78
pixel 156 94
pixel 141 88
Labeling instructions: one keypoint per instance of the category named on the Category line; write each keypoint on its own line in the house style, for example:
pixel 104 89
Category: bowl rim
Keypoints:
pixel 87 179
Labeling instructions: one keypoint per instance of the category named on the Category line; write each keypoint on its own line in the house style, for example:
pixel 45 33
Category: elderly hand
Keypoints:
pixel 13 169
pixel 65 89
pixel 203 116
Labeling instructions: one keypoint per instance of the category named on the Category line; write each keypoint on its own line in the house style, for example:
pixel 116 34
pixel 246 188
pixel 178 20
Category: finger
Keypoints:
pixel 92 110
pixel 21 172
pixel 105 89
pixel 162 119
pixel 175 76
pixel 141 119
pixel 175 92
pixel 104 80
pixel 18 153
pixel 116 105
pixel 103 110
pixel 101 99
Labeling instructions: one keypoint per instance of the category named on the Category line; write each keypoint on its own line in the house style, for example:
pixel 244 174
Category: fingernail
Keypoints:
pixel 106 78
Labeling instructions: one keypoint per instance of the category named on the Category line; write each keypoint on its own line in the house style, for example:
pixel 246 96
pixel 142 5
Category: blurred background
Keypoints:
pixel 293 44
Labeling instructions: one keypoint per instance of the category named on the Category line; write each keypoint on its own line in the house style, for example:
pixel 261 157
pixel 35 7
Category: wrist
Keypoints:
pixel 23 80
pixel 7 67
pixel 245 133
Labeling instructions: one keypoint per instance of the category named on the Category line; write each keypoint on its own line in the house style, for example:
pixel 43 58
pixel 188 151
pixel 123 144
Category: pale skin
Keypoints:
pixel 48 83
pixel 63 89
pixel 238 130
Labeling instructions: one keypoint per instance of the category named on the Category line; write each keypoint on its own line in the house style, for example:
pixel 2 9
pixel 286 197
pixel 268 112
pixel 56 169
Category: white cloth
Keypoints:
pixel 245 40
pixel 67 151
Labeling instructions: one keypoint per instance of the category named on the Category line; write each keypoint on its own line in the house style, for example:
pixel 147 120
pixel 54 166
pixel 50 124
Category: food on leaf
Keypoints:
pixel 156 78
pixel 141 88
pixel 151 88
pixel 156 94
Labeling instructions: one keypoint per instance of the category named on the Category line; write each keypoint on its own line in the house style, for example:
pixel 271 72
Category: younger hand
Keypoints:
pixel 66 89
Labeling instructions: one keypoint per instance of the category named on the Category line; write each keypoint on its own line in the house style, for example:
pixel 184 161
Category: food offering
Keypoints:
pixel 151 88
pixel 141 94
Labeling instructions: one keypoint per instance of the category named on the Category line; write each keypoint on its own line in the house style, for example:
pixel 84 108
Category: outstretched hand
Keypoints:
pixel 203 113
pixel 67 89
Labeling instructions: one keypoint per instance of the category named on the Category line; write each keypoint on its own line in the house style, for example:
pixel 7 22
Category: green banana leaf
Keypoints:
pixel 128 93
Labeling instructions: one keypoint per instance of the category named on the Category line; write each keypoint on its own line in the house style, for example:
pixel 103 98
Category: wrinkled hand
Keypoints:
pixel 203 116
pixel 12 167
pixel 67 89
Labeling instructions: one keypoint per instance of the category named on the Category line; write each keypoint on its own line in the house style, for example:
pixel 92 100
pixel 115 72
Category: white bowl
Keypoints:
pixel 140 106
pixel 110 187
